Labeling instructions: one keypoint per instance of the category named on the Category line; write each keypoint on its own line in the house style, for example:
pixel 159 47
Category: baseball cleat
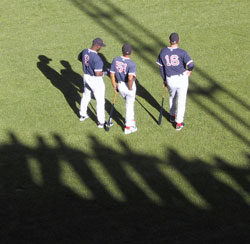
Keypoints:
pixel 99 125
pixel 130 129
pixel 82 118
pixel 109 124
pixel 179 126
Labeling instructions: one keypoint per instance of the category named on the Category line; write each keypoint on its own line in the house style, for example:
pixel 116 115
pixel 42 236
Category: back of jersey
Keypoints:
pixel 174 60
pixel 91 62
pixel 122 67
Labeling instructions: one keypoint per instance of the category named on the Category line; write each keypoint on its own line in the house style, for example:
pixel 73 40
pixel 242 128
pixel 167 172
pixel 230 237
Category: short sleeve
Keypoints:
pixel 132 69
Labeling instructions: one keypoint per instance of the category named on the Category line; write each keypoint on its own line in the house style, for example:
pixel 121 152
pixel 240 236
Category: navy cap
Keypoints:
pixel 126 49
pixel 174 38
pixel 98 42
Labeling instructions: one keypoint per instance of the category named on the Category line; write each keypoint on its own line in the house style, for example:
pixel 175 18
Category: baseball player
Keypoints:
pixel 93 81
pixel 175 67
pixel 123 70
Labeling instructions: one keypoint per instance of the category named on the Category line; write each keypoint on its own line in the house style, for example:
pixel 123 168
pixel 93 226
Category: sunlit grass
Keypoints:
pixel 157 162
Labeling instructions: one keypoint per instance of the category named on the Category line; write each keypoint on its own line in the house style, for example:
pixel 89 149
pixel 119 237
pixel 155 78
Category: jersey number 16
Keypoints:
pixel 172 60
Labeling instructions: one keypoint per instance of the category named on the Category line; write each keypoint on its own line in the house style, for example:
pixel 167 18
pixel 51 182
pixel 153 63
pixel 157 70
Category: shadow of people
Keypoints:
pixel 106 63
pixel 69 91
pixel 143 93
pixel 117 117
pixel 71 76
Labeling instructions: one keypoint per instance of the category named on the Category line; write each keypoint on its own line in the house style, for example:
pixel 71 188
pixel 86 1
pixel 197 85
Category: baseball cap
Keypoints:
pixel 174 38
pixel 126 49
pixel 98 42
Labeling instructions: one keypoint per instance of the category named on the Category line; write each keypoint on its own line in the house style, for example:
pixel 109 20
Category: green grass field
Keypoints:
pixel 62 181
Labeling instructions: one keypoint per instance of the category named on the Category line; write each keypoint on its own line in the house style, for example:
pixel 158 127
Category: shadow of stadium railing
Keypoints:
pixel 109 16
pixel 60 194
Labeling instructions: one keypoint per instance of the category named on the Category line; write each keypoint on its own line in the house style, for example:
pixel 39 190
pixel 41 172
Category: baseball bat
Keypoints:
pixel 162 103
pixel 111 113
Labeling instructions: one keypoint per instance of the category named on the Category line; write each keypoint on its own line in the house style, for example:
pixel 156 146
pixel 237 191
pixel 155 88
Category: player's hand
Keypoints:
pixel 107 72
pixel 188 73
pixel 164 84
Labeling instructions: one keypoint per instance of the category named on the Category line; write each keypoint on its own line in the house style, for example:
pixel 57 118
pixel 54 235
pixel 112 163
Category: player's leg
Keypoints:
pixel 130 125
pixel 172 100
pixel 99 94
pixel 86 97
pixel 122 88
pixel 182 97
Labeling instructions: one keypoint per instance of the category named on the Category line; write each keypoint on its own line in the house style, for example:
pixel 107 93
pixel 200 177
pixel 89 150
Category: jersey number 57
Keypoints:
pixel 121 67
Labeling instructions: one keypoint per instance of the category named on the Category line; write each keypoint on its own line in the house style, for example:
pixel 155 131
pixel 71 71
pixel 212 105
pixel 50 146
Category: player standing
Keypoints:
pixel 175 67
pixel 93 81
pixel 123 70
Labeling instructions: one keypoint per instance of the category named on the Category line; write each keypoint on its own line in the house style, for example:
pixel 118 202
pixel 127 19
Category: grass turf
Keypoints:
pixel 69 182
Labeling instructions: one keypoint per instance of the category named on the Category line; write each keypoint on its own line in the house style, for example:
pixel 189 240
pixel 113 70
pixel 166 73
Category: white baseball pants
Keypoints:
pixel 96 85
pixel 129 96
pixel 178 87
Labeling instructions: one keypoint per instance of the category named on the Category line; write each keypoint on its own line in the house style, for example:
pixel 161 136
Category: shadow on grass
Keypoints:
pixel 68 82
pixel 211 92
pixel 59 194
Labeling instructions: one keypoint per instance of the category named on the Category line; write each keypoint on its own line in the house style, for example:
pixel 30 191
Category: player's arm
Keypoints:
pixel 189 63
pixel 130 81
pixel 131 75
pixel 112 76
pixel 162 68
pixel 113 81
pixel 98 73
pixel 190 67
pixel 163 73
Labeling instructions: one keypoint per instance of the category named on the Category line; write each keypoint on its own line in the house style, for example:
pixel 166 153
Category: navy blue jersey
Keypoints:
pixel 174 61
pixel 91 61
pixel 122 67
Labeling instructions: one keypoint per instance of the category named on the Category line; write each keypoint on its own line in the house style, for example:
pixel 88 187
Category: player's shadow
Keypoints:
pixel 117 117
pixel 106 63
pixel 68 82
pixel 143 93
pixel 71 76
